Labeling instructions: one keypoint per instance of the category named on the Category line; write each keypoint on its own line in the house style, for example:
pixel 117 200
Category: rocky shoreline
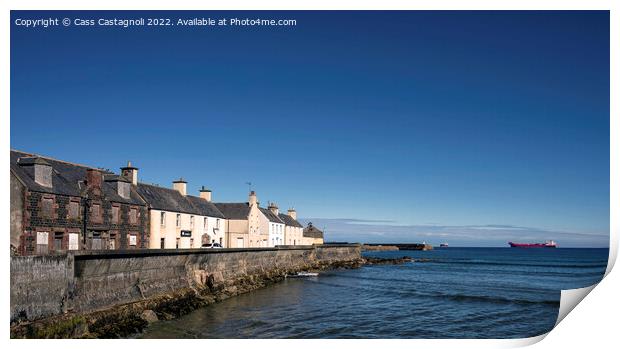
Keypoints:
pixel 129 319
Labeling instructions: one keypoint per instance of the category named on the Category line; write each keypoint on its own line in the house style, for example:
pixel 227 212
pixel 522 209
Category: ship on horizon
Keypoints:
pixel 548 244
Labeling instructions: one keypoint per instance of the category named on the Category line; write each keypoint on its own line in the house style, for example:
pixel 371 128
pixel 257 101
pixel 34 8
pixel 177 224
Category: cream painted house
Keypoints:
pixel 245 223
pixel 293 230
pixel 178 220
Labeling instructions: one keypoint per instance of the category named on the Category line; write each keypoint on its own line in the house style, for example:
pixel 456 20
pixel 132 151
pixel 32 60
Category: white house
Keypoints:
pixel 275 225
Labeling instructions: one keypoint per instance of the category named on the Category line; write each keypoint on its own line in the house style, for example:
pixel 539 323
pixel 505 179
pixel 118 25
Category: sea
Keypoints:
pixel 445 293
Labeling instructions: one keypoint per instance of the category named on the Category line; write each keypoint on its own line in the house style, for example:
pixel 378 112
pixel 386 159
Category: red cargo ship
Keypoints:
pixel 549 243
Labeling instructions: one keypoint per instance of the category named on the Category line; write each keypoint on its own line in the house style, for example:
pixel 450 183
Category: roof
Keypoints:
pixel 290 221
pixel 234 210
pixel 206 208
pixel 312 232
pixel 270 215
pixel 67 178
pixel 166 199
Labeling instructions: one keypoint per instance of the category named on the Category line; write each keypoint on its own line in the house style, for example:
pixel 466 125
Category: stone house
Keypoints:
pixel 179 220
pixel 312 235
pixel 59 206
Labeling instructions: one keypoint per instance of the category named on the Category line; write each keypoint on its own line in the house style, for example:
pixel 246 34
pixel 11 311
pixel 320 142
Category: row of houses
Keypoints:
pixel 58 206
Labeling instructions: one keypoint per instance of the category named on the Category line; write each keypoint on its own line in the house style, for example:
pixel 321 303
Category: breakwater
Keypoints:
pixel 116 293
pixel 379 248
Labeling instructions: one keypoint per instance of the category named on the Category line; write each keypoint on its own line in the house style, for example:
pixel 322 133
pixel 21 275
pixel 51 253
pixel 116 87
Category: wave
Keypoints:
pixel 459 297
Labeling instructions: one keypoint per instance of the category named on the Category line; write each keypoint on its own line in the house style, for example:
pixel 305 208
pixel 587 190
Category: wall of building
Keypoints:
pixel 170 232
pixel 64 231
pixel 42 286
pixel 17 209
pixel 293 235
pixel 258 228
pixel 276 234
pixel 236 230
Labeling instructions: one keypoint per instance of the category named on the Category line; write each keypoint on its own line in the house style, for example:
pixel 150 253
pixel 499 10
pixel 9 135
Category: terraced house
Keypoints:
pixel 58 206
pixel 293 230
pixel 245 223
pixel 179 220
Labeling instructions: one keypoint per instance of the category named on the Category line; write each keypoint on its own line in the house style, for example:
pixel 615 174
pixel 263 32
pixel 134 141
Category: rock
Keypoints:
pixel 149 316
pixel 374 260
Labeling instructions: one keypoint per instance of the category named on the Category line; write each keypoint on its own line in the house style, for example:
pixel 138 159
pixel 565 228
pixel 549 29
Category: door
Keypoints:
pixel 240 242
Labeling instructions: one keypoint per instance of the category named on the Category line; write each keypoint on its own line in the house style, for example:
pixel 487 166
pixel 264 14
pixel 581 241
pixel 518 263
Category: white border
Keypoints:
pixel 595 324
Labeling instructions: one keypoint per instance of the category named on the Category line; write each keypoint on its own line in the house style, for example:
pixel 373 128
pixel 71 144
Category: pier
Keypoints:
pixel 405 246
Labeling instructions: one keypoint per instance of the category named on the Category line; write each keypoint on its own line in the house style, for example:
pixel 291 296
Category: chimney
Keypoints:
pixel 253 200
pixel 273 208
pixel 180 185
pixel 93 180
pixel 205 193
pixel 130 172
pixel 291 212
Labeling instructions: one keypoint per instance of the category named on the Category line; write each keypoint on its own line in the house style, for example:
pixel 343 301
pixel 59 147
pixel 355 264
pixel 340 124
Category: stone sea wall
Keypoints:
pixel 114 293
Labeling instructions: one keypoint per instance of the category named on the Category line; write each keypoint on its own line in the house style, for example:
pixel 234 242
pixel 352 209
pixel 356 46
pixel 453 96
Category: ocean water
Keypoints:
pixel 456 293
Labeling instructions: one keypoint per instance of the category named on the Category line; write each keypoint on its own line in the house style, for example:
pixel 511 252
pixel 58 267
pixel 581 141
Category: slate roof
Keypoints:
pixel 207 208
pixel 234 210
pixel 312 232
pixel 166 199
pixel 67 178
pixel 271 216
pixel 288 220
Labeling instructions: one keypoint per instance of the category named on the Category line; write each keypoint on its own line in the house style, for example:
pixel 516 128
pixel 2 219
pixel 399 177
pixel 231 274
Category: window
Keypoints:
pixel 191 242
pixel 74 244
pixel 133 215
pixel 133 239
pixel 115 214
pixel 205 224
pixel 47 207
pixel 58 241
pixel 42 241
pixel 178 220
pixel 217 223
pixel 95 212
pixel 74 210
pixel 162 218
pixel 112 241
pixel 96 242
pixel 162 243
pixel 191 221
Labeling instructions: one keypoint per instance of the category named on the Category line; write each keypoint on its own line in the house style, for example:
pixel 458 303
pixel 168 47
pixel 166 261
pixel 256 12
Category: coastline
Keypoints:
pixel 105 296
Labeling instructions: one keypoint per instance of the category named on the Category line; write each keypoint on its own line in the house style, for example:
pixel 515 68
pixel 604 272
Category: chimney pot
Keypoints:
pixel 253 200
pixel 205 193
pixel 130 172
pixel 180 185
pixel 291 212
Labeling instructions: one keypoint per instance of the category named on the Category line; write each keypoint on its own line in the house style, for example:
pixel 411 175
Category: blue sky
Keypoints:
pixel 471 127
